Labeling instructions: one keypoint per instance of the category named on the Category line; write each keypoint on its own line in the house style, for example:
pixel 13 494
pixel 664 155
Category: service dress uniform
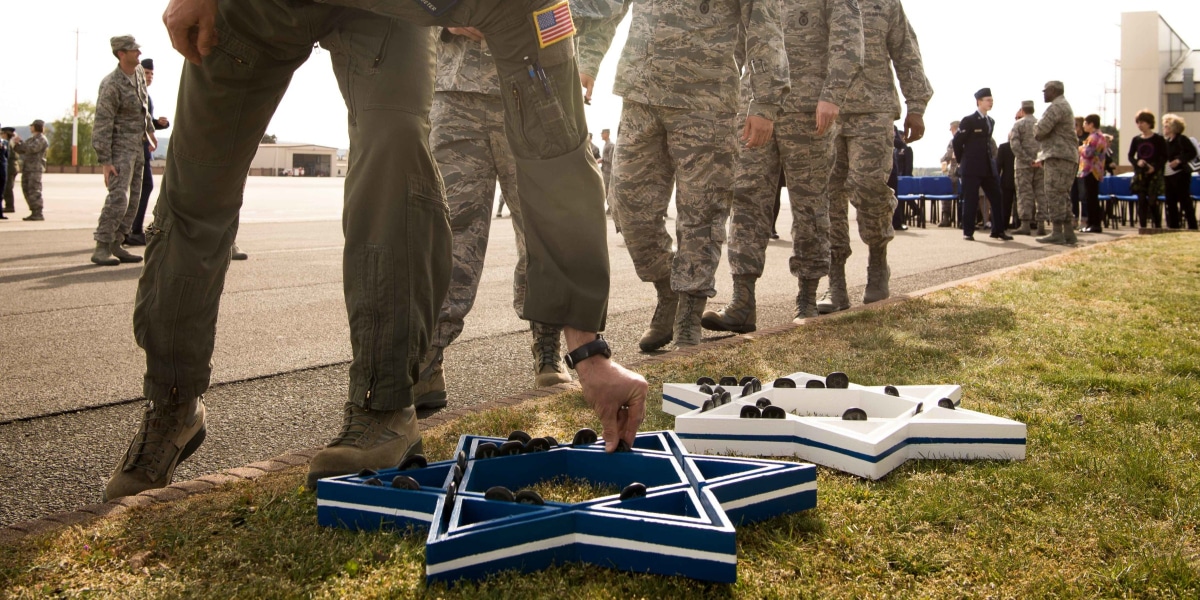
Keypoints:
pixel 976 151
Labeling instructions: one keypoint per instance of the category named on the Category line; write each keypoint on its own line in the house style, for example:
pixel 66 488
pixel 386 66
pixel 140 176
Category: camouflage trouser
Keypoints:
pixel 805 160
pixel 860 174
pixel 694 150
pixel 1031 199
pixel 116 218
pixel 397 258
pixel 1058 179
pixel 472 153
pixel 949 207
pixel 31 186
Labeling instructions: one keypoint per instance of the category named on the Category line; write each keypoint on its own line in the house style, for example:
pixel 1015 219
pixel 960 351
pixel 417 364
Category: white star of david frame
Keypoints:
pixel 902 423
pixel 683 525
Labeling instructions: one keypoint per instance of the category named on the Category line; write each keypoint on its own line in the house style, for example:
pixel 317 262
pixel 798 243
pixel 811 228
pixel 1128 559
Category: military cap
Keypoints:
pixel 984 93
pixel 8 129
pixel 1027 104
pixel 1054 85
pixel 38 123
pixel 148 64
pixel 123 42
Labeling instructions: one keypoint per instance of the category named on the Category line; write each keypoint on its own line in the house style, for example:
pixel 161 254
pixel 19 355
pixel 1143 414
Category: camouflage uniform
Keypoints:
pixel 824 40
pixel 606 158
pixel 864 143
pixel 33 164
pixel 122 125
pixel 1060 149
pixel 949 207
pixel 1031 200
pixel 679 80
pixel 11 180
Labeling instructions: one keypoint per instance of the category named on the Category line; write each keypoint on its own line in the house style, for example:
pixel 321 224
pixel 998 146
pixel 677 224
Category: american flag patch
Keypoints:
pixel 554 24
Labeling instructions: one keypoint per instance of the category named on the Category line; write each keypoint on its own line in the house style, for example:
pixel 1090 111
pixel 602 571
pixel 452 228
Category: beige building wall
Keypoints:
pixel 1150 53
pixel 271 158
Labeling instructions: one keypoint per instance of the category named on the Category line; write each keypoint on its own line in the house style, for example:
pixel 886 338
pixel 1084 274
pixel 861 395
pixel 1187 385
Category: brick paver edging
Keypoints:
pixel 252 471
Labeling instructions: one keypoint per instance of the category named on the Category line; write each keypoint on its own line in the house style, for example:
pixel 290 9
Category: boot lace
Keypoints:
pixel 357 423
pixel 546 347
pixel 158 426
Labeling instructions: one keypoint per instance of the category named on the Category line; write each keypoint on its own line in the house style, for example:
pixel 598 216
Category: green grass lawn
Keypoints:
pixel 1097 352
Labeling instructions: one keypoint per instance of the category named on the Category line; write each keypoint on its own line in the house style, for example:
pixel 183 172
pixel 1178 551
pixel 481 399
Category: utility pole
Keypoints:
pixel 75 109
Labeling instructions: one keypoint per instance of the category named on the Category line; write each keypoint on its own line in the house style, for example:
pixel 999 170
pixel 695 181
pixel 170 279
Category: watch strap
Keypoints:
pixel 596 347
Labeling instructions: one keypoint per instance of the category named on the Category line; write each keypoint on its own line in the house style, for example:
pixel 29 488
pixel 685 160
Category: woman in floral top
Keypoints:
pixel 1092 155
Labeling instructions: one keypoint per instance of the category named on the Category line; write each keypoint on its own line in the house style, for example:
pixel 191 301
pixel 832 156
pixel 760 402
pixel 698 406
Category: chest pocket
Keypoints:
pixel 806 26
pixel 875 31
pixel 681 22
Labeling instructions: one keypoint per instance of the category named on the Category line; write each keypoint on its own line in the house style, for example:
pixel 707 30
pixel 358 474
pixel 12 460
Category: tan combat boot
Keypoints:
pixel 236 253
pixel 687 320
pixel 1041 227
pixel 430 389
pixel 122 254
pixel 806 300
pixel 879 275
pixel 1024 229
pixel 103 255
pixel 739 315
pixel 171 431
pixel 1069 236
pixel 660 332
pixel 836 299
pixel 370 439
pixel 548 366
pixel 1054 238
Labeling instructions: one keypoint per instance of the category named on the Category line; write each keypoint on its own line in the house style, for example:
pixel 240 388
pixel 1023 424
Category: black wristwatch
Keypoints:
pixel 597 347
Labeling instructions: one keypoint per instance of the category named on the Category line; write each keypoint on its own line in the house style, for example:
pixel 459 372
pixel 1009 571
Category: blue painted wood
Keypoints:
pixel 681 527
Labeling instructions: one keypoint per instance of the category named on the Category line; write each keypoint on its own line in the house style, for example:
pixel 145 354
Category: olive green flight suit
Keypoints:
pixel 397 255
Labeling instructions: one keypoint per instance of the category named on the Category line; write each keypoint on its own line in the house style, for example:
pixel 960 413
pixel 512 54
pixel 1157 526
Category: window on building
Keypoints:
pixel 1175 103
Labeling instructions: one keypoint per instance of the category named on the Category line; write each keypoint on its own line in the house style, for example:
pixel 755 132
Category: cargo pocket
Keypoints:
pixel 430 260
pixel 214 97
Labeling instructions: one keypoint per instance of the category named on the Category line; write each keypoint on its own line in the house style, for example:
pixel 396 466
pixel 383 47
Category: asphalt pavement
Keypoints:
pixel 71 371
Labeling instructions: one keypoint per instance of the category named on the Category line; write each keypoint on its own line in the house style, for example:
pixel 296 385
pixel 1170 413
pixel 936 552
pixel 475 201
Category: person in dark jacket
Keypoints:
pixel 976 153
pixel 1178 174
pixel 1148 155
pixel 1006 165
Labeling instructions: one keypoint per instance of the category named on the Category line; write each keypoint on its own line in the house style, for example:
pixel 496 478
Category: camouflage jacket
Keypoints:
pixel 683 53
pixel 950 160
pixel 33 153
pixel 1056 131
pixel 824 41
pixel 122 116
pixel 1024 144
pixel 890 40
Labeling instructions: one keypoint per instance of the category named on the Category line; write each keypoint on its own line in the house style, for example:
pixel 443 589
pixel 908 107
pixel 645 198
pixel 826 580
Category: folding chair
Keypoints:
pixel 940 189
pixel 909 193
pixel 1127 201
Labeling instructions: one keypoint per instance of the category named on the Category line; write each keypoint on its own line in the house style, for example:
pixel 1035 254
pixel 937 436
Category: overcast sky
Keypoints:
pixel 966 45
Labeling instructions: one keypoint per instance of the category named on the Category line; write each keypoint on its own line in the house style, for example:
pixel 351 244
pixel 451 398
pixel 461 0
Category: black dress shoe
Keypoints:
pixel 969 238
pixel 135 239
pixel 1002 236
pixel 901 228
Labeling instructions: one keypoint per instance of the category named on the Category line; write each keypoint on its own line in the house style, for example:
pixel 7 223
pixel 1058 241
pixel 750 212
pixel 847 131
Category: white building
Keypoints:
pixel 282 159
pixel 1158 73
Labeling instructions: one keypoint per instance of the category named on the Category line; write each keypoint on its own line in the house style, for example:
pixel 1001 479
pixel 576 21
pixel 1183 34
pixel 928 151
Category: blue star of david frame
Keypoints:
pixel 684 525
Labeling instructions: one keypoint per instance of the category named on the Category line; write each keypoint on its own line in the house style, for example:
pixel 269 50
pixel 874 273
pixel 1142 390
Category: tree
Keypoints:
pixel 59 152
pixel 268 139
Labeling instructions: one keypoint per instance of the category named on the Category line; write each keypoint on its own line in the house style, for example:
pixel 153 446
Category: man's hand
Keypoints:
pixel 192 27
pixel 587 82
pixel 827 114
pixel 153 140
pixel 163 122
pixel 757 131
pixel 109 171
pixel 914 128
pixel 617 394
pixel 469 32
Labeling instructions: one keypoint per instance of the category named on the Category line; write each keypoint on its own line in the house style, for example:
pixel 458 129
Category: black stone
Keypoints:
pixel 416 461
pixel 485 450
pixel 529 497
pixel 537 445
pixel 520 436
pixel 553 442
pixel 747 390
pixel 784 382
pixel 774 412
pixel 891 390
pixel 750 412
pixel 585 437
pixel 404 482
pixel 633 490
pixel 623 446
pixel 837 380
pixel 367 473
pixel 920 407
pixel 708 405
pixel 729 380
pixel 373 481
pixel 461 460
pixel 706 381
pixel 946 403
pixel 854 414
pixel 815 384
pixel 726 398
pixel 762 403
pixel 456 474
pixel 706 389
pixel 510 448
pixel 500 493
pixel 746 379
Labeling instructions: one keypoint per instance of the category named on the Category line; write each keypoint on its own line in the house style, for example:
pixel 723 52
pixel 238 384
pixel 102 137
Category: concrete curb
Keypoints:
pixel 180 490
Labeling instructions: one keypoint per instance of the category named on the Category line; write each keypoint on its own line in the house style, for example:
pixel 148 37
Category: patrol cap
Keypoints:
pixel 983 93
pixel 1027 104
pixel 8 129
pixel 38 123
pixel 1054 85
pixel 148 64
pixel 123 42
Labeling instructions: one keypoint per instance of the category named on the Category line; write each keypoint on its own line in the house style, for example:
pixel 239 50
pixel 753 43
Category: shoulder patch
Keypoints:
pixel 554 23
pixel 853 6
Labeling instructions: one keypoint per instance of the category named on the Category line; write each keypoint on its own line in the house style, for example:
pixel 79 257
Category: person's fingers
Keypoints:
pixel 747 132
pixel 635 415
pixel 180 35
